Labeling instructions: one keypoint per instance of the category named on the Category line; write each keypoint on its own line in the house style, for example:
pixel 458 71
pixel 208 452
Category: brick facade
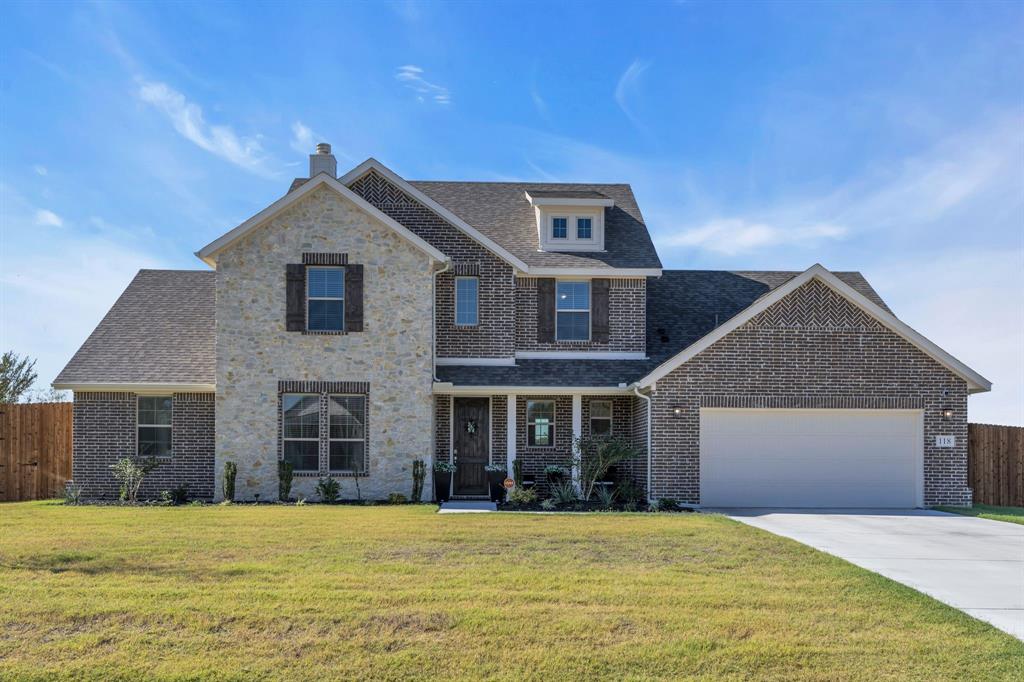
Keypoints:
pixel 493 336
pixel 813 349
pixel 627 319
pixel 105 431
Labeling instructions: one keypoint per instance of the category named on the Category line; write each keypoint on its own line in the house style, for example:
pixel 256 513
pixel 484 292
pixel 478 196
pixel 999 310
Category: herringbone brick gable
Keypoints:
pixel 815 305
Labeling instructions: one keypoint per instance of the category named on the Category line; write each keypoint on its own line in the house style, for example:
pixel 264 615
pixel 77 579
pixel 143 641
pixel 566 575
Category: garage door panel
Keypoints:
pixel 810 458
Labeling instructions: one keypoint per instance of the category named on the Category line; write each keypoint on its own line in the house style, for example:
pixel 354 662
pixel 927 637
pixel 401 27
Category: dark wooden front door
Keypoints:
pixel 471 439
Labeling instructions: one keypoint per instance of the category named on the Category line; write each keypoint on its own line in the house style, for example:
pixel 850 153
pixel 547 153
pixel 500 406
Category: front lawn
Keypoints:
pixel 986 511
pixel 319 593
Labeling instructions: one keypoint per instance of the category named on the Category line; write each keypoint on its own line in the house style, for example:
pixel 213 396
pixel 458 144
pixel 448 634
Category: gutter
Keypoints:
pixel 647 398
pixel 433 316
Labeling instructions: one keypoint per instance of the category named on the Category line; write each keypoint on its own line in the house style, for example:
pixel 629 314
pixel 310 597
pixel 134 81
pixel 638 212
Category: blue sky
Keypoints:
pixel 886 138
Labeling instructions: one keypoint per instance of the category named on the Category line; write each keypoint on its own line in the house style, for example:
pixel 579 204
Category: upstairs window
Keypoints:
pixel 540 422
pixel 347 437
pixel 466 301
pixel 572 311
pixel 559 228
pixel 154 426
pixel 300 416
pixel 325 299
pixel 584 228
pixel 600 418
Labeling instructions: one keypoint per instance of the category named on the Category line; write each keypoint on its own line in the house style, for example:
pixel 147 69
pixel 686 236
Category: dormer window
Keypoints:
pixel 570 220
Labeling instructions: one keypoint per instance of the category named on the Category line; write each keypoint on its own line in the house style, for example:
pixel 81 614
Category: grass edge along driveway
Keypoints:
pixel 285 592
pixel 987 511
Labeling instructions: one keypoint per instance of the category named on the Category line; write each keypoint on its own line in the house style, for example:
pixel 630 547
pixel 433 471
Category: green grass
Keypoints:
pixel 306 593
pixel 986 511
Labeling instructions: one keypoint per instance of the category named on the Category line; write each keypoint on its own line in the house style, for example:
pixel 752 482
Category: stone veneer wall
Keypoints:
pixel 105 430
pixel 813 349
pixel 627 318
pixel 494 336
pixel 392 353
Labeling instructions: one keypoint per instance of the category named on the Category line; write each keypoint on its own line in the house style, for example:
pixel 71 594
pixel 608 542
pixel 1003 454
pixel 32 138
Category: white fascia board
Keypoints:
pixel 567 201
pixel 373 164
pixel 579 355
pixel 136 387
pixel 481 362
pixel 593 272
pixel 975 382
pixel 209 252
pixel 447 388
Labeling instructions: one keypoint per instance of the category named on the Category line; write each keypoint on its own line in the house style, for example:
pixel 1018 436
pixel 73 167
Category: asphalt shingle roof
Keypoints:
pixel 501 211
pixel 161 330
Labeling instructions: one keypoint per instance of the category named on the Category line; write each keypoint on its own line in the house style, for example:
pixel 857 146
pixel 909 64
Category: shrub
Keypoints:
pixel 517 472
pixel 230 471
pixel 301 502
pixel 328 489
pixel 72 492
pixel 129 474
pixel 284 479
pixel 522 496
pixel 397 498
pixel 564 492
pixel 605 495
pixel 629 492
pixel 548 504
pixel 444 467
pixel 419 472
pixel 664 504
pixel 175 496
pixel 595 457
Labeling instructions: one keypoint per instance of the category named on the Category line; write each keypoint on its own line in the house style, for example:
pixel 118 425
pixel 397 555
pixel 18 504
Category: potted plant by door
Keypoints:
pixel 496 476
pixel 443 480
pixel 554 474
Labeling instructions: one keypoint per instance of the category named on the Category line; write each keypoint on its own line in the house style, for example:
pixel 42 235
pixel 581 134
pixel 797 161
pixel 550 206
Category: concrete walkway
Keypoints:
pixel 975 565
pixel 466 507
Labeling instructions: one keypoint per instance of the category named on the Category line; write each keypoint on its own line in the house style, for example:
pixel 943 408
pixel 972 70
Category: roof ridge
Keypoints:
pixel 518 182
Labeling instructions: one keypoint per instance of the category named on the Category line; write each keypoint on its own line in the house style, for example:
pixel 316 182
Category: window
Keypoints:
pixel 600 418
pixel 325 299
pixel 584 228
pixel 154 426
pixel 300 415
pixel 466 301
pixel 347 435
pixel 540 422
pixel 559 228
pixel 572 317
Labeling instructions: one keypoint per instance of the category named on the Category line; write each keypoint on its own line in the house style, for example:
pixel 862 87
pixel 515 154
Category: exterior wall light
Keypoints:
pixel 677 411
pixel 947 413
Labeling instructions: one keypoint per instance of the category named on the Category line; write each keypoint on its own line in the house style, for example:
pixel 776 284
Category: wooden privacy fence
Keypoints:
pixel 35 450
pixel 995 464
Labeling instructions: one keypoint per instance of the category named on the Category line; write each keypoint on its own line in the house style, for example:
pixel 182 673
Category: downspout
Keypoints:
pixel 636 390
pixel 433 316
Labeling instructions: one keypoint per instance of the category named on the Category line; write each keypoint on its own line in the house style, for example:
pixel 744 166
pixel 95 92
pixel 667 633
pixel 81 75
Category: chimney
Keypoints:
pixel 323 161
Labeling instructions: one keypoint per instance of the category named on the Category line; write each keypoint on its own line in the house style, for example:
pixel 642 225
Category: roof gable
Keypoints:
pixel 975 382
pixel 208 254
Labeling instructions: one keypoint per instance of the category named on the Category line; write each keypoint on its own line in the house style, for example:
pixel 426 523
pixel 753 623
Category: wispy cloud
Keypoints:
pixel 736 235
pixel 627 87
pixel 411 76
pixel 47 218
pixel 302 138
pixel 220 140
pixel 40 169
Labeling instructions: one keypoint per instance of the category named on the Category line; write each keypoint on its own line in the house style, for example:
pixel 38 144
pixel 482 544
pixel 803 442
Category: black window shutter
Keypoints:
pixel 545 310
pixel 354 297
pixel 295 297
pixel 599 310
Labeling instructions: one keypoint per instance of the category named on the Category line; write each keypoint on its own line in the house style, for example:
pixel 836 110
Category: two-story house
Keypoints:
pixel 361 322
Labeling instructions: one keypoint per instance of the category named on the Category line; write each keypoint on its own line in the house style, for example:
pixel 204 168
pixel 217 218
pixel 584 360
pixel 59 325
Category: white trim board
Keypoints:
pixel 975 382
pixel 481 362
pixel 447 388
pixel 208 254
pixel 579 355
pixel 141 388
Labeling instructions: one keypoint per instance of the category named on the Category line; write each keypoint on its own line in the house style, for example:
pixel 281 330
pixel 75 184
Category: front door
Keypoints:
pixel 471 441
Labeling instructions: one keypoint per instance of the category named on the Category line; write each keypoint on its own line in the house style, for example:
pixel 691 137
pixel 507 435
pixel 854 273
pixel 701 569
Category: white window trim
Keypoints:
pixel 590 316
pixel 551 224
pixel 139 425
pixel 610 418
pixel 571 242
pixel 326 298
pixel 476 312
pixel 346 440
pixel 285 439
pixel 587 240
pixel 551 424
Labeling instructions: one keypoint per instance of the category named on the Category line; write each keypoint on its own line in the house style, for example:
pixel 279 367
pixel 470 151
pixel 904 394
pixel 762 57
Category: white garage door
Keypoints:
pixel 810 458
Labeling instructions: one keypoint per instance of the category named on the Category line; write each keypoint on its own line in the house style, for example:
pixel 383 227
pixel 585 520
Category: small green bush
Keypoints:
pixel 129 474
pixel 230 471
pixel 284 479
pixel 522 496
pixel 72 492
pixel 605 496
pixel 175 496
pixel 548 504
pixel 397 498
pixel 666 504
pixel 419 473
pixel 328 489
pixel 564 492
pixel 444 467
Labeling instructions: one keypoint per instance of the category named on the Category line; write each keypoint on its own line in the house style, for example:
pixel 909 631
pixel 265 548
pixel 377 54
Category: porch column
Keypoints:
pixel 577 433
pixel 510 433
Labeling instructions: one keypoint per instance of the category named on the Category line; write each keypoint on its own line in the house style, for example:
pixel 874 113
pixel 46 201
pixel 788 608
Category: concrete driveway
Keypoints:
pixel 975 565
